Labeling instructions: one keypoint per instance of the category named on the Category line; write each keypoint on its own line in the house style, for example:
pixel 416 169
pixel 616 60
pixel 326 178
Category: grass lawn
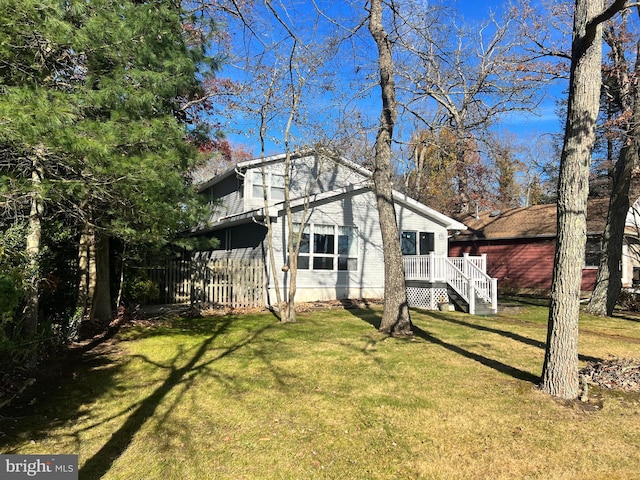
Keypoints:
pixel 242 397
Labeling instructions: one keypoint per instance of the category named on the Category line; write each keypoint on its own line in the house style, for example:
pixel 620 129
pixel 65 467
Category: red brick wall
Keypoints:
pixel 519 263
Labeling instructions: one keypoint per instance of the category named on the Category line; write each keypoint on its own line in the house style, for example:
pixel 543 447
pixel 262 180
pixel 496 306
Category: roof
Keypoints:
pixel 400 198
pixel 258 213
pixel 538 221
pixel 242 166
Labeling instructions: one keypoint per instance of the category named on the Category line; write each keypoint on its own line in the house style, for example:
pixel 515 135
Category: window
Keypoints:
pixel 327 247
pixel 427 243
pixel 277 187
pixel 593 250
pixel 414 243
pixel 274 184
pixel 408 242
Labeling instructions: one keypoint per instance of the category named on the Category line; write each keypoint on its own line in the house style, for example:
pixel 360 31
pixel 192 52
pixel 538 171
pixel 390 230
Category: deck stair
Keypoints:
pixel 468 284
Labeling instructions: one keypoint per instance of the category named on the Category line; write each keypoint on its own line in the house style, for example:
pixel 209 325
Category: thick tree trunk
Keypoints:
pixel 396 319
pixel 560 370
pixel 33 246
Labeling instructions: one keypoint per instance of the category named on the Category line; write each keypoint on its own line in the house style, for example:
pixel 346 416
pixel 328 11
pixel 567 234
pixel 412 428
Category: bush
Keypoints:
pixel 140 290
pixel 629 300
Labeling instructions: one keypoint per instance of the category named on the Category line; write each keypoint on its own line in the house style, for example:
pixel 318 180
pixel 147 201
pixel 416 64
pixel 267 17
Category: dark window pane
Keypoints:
pixel 592 253
pixel 345 263
pixel 408 241
pixel 323 263
pixel 304 243
pixel 427 243
pixel 323 243
pixel 303 263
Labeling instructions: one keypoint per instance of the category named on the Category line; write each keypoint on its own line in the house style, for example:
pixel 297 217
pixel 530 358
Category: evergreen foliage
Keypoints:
pixel 106 95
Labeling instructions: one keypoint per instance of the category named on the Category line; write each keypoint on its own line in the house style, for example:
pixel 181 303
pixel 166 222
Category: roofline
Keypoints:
pixel 472 237
pixel 448 222
pixel 275 158
pixel 232 220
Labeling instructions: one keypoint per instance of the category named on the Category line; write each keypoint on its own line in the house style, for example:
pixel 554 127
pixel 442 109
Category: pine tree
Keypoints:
pixel 97 110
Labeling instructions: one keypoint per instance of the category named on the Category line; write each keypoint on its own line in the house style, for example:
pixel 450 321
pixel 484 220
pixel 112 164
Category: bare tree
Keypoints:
pixel 622 91
pixel 396 319
pixel 560 369
pixel 466 77
pixel 285 66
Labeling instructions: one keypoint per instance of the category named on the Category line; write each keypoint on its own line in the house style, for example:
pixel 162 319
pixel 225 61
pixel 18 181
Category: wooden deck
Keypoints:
pixel 465 275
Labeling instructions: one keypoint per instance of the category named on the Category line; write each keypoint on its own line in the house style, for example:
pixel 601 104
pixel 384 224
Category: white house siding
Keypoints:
pixel 410 220
pixel 356 210
pixel 367 281
pixel 330 176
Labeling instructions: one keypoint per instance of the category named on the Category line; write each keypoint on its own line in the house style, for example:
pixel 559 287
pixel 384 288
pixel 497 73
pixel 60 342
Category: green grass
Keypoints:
pixel 329 397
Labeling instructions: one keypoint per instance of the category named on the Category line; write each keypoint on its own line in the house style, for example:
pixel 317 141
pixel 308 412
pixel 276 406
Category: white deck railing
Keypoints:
pixel 466 275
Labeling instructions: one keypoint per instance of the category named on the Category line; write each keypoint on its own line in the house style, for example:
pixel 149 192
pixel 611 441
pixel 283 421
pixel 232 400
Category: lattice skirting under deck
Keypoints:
pixel 427 298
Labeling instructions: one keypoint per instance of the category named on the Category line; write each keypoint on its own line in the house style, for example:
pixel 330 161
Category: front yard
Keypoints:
pixel 244 397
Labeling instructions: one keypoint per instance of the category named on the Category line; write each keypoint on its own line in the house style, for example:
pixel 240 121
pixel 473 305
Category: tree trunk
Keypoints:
pixel 101 311
pixel 396 319
pixel 33 245
pixel 86 270
pixel 609 280
pixel 560 370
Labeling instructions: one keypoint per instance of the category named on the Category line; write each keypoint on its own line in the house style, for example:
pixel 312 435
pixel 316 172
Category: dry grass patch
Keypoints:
pixel 329 397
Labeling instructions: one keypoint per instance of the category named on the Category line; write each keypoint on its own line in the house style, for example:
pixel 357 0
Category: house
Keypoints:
pixel 520 245
pixel 334 210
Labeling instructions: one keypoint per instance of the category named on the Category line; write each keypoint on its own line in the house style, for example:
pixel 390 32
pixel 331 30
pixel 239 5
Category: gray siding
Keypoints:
pixel 225 198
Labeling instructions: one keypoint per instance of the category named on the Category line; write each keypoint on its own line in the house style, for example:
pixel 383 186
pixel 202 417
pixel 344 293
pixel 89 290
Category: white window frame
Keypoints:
pixel 417 234
pixel 271 178
pixel 342 255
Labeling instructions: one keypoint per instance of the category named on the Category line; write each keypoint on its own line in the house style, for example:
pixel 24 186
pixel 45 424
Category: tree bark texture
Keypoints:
pixel 33 245
pixel 86 270
pixel 396 319
pixel 609 280
pixel 560 369
pixel 101 311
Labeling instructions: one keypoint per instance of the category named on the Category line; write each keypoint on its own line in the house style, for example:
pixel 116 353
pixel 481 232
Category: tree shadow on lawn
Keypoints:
pixel 95 374
pixel 65 385
pixel 374 318
pixel 184 377
pixel 504 333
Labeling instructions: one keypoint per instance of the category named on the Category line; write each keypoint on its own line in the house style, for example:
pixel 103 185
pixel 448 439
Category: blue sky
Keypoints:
pixel 529 126
pixel 545 120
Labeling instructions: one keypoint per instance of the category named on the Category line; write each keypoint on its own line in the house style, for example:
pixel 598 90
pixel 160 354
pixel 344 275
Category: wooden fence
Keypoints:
pixel 227 282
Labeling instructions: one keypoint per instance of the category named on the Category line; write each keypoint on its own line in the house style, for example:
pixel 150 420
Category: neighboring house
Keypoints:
pixel 520 245
pixel 341 253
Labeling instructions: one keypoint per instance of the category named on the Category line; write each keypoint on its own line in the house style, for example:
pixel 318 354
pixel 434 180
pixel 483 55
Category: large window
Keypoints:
pixel 327 247
pixel 414 243
pixel 273 182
